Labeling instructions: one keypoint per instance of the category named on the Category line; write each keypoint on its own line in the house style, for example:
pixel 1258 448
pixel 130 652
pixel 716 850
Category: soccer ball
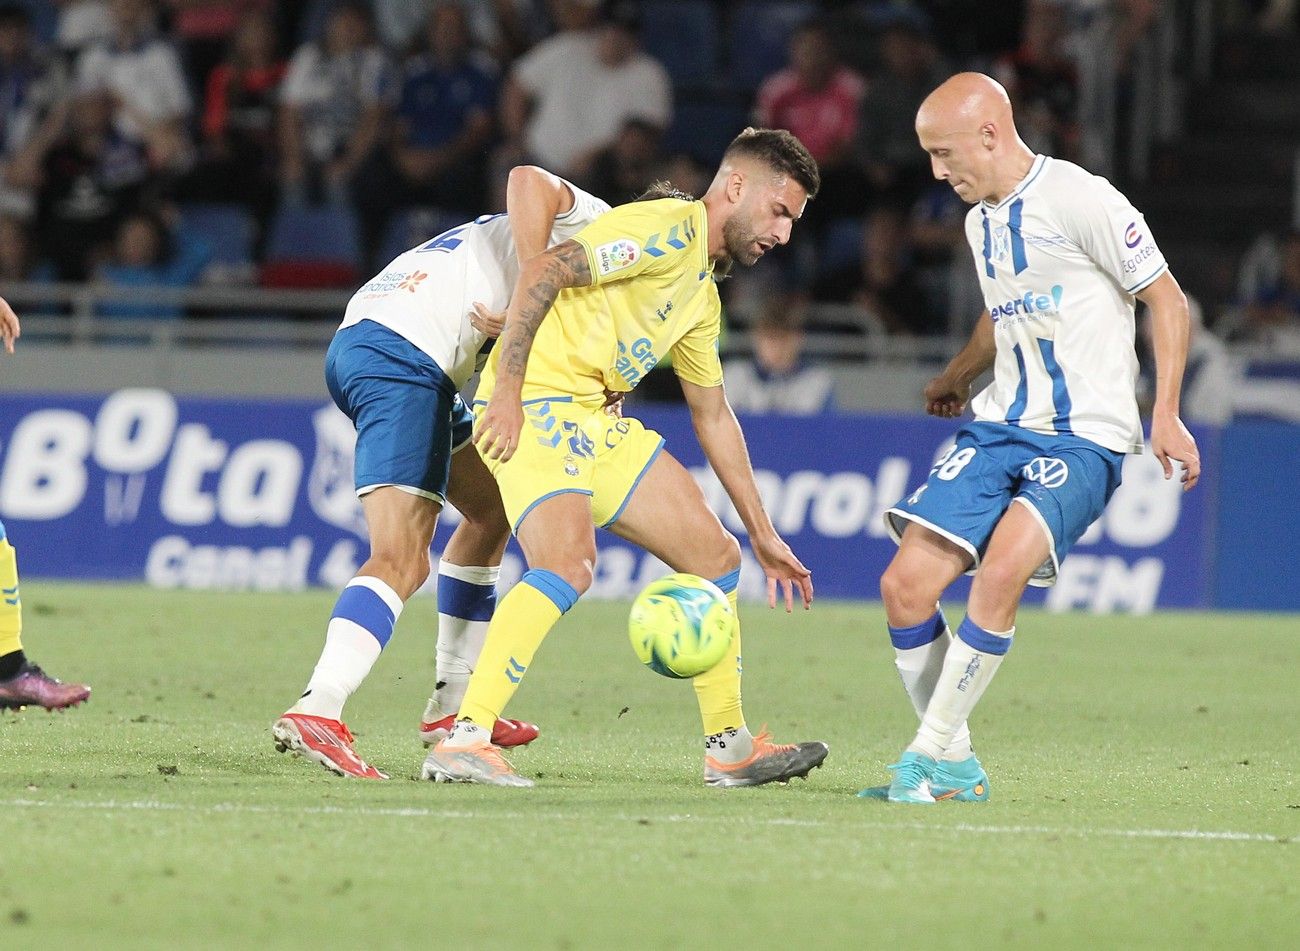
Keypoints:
pixel 681 625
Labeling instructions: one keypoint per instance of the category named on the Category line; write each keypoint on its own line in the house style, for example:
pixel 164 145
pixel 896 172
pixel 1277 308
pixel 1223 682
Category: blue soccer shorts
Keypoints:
pixel 409 418
pixel 1064 480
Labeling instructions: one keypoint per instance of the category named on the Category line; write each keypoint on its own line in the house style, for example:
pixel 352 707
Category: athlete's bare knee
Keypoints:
pixel 727 557
pixel 906 594
pixel 405 571
pixel 578 572
pixel 1000 580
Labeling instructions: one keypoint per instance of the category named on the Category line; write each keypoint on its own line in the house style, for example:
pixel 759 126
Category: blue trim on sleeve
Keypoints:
pixel 3 535
pixel 555 588
pixel 1139 287
pixel 635 482
pixel 982 640
pixel 540 399
pixel 536 502
pixel 366 609
pixel 466 600
pixel 728 582
pixel 928 631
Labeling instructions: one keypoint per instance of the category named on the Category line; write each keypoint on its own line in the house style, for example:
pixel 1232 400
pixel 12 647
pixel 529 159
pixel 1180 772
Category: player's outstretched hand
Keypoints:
pixel 497 432
pixel 1170 440
pixel 784 572
pixel 9 329
pixel 946 397
pixel 486 322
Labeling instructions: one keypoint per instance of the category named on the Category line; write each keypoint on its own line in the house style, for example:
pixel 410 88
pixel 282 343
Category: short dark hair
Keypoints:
pixel 781 152
pixel 664 189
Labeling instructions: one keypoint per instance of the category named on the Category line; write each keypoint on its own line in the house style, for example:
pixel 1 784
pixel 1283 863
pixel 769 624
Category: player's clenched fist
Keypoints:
pixel 946 397
pixel 497 432
pixel 1171 442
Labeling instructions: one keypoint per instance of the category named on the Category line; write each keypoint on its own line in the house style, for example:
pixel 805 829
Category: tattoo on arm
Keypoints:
pixel 564 265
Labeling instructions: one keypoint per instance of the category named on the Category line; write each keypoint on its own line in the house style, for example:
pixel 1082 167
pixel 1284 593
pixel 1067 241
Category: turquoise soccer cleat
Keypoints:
pixel 960 781
pixel 912 774
pixel 953 781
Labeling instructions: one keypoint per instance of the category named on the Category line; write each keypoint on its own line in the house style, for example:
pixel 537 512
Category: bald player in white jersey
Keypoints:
pixel 1061 255
pixel 409 341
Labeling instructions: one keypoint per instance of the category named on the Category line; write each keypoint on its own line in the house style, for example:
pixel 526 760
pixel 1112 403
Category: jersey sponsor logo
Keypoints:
pixel 412 281
pixel 390 281
pixel 1033 305
pixel 1047 471
pixel 1130 264
pixel 1132 236
pixel 635 361
pixel 617 255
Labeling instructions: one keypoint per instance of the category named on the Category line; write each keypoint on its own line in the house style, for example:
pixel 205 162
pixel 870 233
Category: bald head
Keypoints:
pixel 969 99
pixel 967 127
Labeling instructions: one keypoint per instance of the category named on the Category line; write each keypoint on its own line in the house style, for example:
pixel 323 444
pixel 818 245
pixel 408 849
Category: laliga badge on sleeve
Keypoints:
pixel 616 255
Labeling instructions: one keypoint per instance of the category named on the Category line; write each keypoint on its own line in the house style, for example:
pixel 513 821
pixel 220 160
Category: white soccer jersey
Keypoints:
pixel 1059 261
pixel 427 294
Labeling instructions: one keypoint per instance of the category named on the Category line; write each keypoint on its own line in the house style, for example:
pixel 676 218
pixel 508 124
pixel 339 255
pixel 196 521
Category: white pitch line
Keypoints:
pixel 416 812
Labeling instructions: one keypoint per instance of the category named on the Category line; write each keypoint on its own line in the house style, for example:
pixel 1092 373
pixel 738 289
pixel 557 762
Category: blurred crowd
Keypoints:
pixel 305 143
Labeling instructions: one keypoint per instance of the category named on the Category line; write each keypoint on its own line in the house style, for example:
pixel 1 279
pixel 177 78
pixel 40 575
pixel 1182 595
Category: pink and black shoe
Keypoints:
pixel 33 687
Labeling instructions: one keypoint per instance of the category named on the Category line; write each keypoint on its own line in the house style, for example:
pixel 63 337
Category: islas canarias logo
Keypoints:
pixel 412 281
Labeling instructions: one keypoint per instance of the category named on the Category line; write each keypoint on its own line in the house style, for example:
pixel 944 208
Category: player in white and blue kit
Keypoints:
pixel 1061 255
pixel 409 341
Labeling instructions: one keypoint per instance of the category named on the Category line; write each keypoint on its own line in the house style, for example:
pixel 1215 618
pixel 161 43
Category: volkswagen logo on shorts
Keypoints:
pixel 1049 473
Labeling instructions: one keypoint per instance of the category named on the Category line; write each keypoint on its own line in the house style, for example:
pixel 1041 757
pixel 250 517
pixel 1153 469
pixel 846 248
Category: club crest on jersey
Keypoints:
pixel 616 255
pixel 1000 243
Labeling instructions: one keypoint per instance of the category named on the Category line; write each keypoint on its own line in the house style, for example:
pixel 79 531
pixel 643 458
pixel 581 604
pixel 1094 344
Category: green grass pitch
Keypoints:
pixel 1144 775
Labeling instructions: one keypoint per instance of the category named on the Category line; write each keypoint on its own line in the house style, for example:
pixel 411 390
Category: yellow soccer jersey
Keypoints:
pixel 652 292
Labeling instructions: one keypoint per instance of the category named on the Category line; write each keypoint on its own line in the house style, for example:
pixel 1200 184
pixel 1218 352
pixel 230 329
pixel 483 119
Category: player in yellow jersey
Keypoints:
pixel 22 683
pixel 590 317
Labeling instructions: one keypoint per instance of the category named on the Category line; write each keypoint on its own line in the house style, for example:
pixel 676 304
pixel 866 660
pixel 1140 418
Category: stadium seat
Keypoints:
pixel 758 36
pixel 841 246
pixel 412 226
pixel 683 36
pixel 703 129
pixel 312 25
pixel 229 229
pixel 45 19
pixel 312 246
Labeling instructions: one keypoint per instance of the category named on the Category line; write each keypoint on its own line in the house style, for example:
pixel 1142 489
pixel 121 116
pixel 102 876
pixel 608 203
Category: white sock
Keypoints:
pixel 466 600
pixel 360 626
pixel 465 733
pixel 918 654
pixel 972 659
pixel 730 746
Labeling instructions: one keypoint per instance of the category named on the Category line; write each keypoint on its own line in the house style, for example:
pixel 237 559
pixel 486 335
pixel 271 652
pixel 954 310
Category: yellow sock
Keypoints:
pixel 518 627
pixel 11 608
pixel 718 690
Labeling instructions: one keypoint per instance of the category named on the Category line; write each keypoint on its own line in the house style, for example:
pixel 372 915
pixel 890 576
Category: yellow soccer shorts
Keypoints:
pixel 567 446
